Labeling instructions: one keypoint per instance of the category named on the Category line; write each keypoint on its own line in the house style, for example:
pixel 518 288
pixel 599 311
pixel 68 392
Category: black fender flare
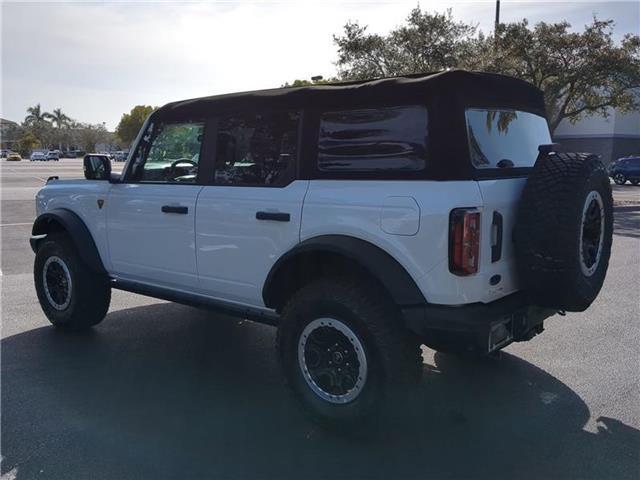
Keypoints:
pixel 75 227
pixel 382 266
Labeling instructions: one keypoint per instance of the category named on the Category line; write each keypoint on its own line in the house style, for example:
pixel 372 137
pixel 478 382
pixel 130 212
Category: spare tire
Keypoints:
pixel 563 231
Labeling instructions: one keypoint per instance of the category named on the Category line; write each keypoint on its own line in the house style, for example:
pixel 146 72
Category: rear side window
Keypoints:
pixel 505 138
pixel 374 139
pixel 257 149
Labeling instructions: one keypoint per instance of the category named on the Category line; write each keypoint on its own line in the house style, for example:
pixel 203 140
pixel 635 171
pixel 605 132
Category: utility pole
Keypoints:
pixel 495 27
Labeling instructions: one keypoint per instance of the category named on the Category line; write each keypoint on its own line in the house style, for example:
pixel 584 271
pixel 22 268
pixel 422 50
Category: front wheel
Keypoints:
pixel 620 179
pixel 344 351
pixel 71 295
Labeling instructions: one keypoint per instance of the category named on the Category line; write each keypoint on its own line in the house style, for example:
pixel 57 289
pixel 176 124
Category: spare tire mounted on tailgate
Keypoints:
pixel 563 231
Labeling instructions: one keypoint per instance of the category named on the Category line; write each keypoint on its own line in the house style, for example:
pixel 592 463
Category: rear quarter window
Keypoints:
pixel 502 138
pixel 373 139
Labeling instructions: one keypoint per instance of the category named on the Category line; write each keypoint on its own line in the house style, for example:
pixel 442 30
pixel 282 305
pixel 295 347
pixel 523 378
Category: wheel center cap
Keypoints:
pixel 337 357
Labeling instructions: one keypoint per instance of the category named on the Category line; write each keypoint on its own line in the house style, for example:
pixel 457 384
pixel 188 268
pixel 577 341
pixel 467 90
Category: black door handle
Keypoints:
pixel 275 216
pixel 175 209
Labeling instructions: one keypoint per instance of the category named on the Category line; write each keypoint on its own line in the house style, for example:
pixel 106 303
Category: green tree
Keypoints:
pixel 61 122
pixel 88 135
pixel 57 118
pixel 427 42
pixel 36 122
pixel 131 123
pixel 306 83
pixel 35 115
pixel 581 73
pixel 27 143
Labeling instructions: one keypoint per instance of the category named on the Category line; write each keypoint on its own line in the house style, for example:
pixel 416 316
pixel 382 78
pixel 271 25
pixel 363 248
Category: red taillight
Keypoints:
pixel 464 241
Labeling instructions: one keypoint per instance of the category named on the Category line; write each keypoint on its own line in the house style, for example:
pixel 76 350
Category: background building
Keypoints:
pixel 613 137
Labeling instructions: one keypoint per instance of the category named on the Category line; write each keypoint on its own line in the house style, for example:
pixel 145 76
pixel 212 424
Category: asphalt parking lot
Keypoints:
pixel 160 390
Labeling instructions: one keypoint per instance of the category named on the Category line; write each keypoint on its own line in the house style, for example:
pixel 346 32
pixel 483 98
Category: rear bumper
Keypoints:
pixel 477 328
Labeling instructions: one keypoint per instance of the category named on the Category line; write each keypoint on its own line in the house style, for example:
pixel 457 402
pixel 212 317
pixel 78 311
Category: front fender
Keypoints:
pixel 60 219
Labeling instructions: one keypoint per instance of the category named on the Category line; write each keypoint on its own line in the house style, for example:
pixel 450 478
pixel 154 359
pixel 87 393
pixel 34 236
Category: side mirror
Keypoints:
pixel 97 167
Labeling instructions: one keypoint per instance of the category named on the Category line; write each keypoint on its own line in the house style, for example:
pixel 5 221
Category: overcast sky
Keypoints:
pixel 97 60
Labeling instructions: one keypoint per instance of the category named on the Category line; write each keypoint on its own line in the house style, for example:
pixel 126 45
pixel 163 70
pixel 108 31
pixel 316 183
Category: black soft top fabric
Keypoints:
pixel 458 87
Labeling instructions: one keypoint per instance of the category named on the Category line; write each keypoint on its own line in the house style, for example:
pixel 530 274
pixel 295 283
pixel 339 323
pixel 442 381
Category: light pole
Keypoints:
pixel 495 27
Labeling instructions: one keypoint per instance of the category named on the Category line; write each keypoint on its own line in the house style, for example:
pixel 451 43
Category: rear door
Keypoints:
pixel 503 144
pixel 151 214
pixel 250 214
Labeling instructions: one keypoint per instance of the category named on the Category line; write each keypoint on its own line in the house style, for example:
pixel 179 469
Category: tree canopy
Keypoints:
pixel 35 115
pixel 305 83
pixel 427 42
pixel 131 123
pixel 57 118
pixel 581 73
pixel 27 143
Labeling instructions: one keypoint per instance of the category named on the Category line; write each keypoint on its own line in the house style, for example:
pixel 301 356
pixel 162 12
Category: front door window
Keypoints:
pixel 169 153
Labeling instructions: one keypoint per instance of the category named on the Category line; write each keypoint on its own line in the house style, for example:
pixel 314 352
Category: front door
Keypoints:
pixel 151 214
pixel 251 214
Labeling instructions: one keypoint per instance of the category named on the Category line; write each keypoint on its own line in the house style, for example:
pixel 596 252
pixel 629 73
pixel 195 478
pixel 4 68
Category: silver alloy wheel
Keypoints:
pixel 591 233
pixel 332 360
pixel 57 283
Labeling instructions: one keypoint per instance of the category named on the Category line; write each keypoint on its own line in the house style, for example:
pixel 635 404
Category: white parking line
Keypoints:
pixel 31 176
pixel 15 224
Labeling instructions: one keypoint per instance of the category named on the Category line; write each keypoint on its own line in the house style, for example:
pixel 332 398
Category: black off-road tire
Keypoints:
pixel 393 356
pixel 86 302
pixel 553 250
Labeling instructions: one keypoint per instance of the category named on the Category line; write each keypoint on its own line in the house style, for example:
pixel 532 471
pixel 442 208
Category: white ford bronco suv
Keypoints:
pixel 362 219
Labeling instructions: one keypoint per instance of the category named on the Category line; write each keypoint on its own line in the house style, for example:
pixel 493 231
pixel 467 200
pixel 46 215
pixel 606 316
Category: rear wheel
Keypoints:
pixel 71 295
pixel 620 179
pixel 635 182
pixel 344 351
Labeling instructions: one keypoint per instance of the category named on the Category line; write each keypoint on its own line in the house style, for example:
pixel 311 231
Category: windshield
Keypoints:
pixel 505 138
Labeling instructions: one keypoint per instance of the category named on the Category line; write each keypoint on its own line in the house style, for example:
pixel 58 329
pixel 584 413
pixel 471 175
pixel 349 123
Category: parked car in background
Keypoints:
pixel 121 155
pixel 626 168
pixel 13 157
pixel 4 153
pixel 38 157
pixel 53 155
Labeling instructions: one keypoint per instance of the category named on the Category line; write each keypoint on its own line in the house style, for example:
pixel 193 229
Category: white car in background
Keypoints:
pixel 38 156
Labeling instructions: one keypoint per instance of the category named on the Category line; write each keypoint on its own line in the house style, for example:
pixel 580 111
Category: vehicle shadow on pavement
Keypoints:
pixel 167 391
pixel 626 220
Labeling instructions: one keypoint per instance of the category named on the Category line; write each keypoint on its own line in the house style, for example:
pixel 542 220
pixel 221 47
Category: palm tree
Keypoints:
pixel 60 121
pixel 36 122
pixel 58 118
pixel 35 115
